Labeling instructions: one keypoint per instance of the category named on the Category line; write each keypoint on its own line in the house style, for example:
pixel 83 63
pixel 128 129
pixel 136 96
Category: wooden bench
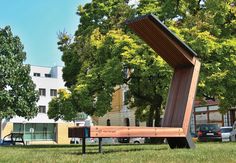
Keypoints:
pixel 186 66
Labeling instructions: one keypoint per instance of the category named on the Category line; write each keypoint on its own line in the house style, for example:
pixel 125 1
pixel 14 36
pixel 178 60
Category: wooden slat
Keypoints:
pixel 121 131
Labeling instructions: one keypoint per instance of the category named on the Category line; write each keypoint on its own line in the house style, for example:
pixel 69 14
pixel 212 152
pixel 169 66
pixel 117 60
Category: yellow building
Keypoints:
pixel 120 115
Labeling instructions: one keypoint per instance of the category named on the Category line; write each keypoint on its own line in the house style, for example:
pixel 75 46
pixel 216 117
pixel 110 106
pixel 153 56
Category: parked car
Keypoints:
pixel 225 133
pixel 131 140
pixel 209 132
pixel 109 141
pixel 75 141
pixel 233 132
pixel 137 140
pixel 123 140
pixel 88 140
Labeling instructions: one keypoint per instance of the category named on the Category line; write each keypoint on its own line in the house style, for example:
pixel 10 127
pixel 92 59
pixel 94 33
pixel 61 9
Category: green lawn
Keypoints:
pixel 204 152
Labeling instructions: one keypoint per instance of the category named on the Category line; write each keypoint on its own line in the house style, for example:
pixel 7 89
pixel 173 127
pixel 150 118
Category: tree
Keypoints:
pixel 102 52
pixel 17 90
pixel 210 31
pixel 62 106
pixel 104 49
pixel 97 50
pixel 208 27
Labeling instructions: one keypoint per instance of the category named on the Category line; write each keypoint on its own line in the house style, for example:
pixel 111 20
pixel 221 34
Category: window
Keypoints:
pixel 42 131
pixel 108 122
pixel 42 91
pixel 127 122
pixel 53 92
pixel 48 75
pixel 37 74
pixel 42 109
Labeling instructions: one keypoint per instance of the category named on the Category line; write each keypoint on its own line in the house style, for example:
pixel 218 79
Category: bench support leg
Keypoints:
pixel 83 146
pixel 100 145
pixel 181 142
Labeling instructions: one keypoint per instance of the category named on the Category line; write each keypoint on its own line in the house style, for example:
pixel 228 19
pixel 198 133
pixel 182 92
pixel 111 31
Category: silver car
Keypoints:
pixel 233 133
pixel 225 133
pixel 137 140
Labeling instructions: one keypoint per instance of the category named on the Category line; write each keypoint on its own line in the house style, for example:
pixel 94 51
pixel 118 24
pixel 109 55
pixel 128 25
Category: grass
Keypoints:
pixel 204 152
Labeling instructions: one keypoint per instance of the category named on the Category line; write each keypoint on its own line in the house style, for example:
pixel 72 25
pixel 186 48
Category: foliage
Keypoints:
pixel 17 90
pixel 208 27
pixel 102 54
pixel 61 107
pixel 104 51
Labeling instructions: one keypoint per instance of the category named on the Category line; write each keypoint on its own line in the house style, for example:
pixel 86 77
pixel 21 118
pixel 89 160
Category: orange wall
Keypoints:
pixel 117 100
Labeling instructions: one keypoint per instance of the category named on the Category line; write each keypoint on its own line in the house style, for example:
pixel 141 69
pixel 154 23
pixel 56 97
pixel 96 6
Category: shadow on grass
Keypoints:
pixel 68 145
pixel 42 146
pixel 76 149
pixel 113 151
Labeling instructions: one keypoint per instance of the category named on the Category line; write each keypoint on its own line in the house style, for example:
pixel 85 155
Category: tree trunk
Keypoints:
pixel 157 117
pixel 149 122
pixel 0 128
pixel 157 107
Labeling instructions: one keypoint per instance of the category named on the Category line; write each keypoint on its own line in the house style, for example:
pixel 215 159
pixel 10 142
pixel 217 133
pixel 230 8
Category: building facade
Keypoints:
pixel 120 115
pixel 41 129
pixel 202 114
pixel 209 113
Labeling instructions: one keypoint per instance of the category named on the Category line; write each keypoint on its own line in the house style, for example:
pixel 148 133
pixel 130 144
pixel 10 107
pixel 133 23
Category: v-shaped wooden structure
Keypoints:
pixel 182 59
pixel 186 71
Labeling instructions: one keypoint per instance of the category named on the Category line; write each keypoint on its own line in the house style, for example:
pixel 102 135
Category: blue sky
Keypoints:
pixel 37 23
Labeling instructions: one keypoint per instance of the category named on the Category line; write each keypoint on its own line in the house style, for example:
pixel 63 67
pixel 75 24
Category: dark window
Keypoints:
pixel 226 130
pixel 108 122
pixel 42 91
pixel 127 122
pixel 137 122
pixel 53 92
pixel 36 74
pixel 42 109
pixel 48 75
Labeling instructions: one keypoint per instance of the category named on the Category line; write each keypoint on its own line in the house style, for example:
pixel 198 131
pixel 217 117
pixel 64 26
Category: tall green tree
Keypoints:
pixel 17 90
pixel 102 52
pixel 208 27
pixel 103 49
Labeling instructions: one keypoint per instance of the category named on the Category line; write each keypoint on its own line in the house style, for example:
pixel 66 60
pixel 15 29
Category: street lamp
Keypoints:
pixel 24 122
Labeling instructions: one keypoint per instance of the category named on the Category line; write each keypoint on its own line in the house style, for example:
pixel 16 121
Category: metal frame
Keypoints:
pixel 176 121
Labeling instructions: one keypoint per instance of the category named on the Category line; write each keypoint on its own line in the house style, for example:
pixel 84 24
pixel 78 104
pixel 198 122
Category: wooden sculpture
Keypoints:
pixel 176 121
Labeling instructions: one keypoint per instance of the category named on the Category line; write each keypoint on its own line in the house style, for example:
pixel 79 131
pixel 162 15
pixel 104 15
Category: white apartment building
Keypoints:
pixel 41 129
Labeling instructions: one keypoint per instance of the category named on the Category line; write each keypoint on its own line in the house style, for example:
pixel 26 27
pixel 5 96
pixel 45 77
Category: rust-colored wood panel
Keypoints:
pixel 175 108
pixel 181 96
pixel 122 131
pixel 185 75
pixel 191 96
pixel 165 43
